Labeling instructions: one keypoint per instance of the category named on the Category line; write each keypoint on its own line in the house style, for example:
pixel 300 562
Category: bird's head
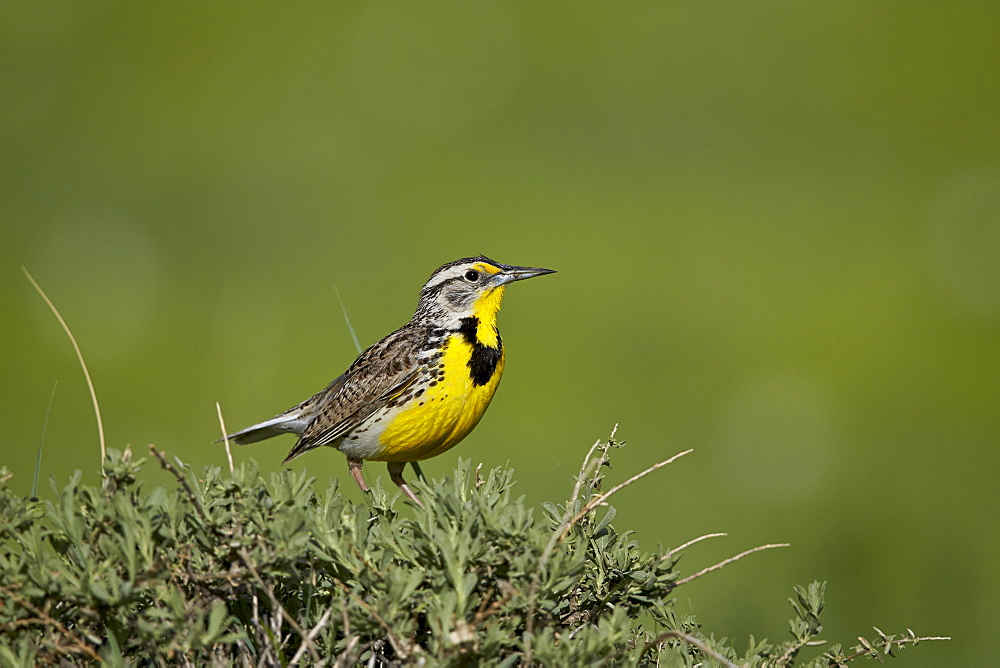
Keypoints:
pixel 472 286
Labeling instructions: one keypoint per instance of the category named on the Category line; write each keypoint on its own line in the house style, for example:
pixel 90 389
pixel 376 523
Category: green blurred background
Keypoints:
pixel 776 225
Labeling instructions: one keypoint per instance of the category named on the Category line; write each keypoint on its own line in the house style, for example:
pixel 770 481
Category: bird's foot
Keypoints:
pixel 396 475
pixel 354 466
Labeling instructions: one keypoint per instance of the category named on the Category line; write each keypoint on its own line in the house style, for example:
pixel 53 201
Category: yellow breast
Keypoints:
pixel 445 412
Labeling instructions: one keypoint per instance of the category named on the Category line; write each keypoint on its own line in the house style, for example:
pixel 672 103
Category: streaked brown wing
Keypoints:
pixel 380 374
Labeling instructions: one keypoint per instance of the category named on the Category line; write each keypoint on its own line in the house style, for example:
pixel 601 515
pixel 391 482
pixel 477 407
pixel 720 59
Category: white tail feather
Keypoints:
pixel 282 424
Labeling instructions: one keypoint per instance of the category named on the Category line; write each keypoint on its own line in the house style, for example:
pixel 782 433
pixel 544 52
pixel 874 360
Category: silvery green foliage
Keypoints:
pixel 220 569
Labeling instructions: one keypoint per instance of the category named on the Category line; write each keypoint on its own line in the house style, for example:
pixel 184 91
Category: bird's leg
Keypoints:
pixel 396 475
pixel 354 466
pixel 419 471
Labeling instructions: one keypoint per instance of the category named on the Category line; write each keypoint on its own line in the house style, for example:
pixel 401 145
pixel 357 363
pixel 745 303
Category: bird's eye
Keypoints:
pixel 472 276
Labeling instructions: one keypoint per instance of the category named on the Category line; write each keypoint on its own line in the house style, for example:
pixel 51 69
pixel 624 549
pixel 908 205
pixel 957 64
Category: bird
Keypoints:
pixel 420 390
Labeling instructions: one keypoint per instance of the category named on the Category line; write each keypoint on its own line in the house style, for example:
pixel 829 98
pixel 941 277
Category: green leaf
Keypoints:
pixel 606 520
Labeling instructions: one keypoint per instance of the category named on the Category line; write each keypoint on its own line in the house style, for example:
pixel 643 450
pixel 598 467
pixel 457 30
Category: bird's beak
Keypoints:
pixel 509 274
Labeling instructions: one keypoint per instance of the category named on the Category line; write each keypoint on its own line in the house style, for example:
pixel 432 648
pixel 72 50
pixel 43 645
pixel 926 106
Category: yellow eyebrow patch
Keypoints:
pixel 488 268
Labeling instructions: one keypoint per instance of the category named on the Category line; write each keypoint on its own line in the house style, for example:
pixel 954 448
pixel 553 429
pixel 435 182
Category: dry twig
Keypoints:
pixel 866 647
pixel 401 651
pixel 278 607
pixel 726 562
pixel 275 603
pixel 192 497
pixel 564 527
pixel 225 438
pixel 83 365
pixel 600 499
pixel 691 640
pixel 313 632
pixel 691 542
pixel 79 646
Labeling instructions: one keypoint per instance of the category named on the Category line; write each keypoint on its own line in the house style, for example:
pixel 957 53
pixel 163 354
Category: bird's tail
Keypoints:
pixel 286 423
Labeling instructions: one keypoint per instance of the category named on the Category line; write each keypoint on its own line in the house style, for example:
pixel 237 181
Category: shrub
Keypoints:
pixel 266 570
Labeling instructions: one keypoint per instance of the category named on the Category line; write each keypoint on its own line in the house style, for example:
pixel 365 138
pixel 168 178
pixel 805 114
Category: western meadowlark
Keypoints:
pixel 420 390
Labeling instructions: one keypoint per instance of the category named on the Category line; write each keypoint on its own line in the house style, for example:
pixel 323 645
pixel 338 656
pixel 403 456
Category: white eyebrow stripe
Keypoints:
pixel 446 275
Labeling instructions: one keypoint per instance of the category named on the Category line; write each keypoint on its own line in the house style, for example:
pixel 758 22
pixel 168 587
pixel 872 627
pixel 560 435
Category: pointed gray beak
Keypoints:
pixel 510 274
